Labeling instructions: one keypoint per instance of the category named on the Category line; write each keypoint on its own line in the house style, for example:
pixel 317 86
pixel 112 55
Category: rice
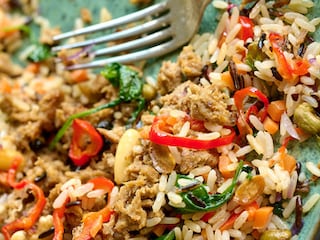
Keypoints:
pixel 313 169
pixel 290 207
pixel 311 202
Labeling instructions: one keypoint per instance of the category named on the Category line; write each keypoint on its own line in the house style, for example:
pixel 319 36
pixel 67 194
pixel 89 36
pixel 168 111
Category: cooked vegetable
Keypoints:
pixel 123 157
pixel 254 54
pixel 246 30
pixel 130 90
pixel 229 223
pixel 223 167
pixel 275 109
pixel 289 70
pixel 262 217
pixel 270 125
pixel 159 134
pixel 162 159
pixel 86 142
pixel 92 221
pixel 7 157
pixel 40 53
pixel 169 236
pixel 198 199
pixel 276 234
pixel 27 221
pixel 249 190
pixel 307 119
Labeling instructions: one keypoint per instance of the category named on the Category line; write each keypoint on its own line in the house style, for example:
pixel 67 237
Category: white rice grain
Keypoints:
pixel 305 24
pixel 174 197
pixel 224 185
pixel 96 193
pixel 61 199
pixel 158 202
pixel 233 33
pixel 193 226
pixel 311 202
pixel 278 222
pixel 256 122
pixel 83 189
pixel 163 182
pixel 151 222
pixel 240 220
pixel 313 168
pixel 209 232
pixel 289 208
pixel 200 170
pixel 170 220
pixel 222 54
pixel 234 233
pixel 177 233
pixel 243 151
pixel 220 4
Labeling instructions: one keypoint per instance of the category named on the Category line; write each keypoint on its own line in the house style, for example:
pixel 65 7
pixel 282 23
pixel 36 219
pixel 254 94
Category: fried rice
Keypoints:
pixel 208 157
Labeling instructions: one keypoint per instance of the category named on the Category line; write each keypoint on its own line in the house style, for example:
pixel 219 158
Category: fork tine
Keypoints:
pixel 140 29
pixel 153 38
pixel 157 8
pixel 155 51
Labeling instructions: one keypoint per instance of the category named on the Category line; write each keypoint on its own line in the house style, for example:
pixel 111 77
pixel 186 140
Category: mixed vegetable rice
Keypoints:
pixel 203 153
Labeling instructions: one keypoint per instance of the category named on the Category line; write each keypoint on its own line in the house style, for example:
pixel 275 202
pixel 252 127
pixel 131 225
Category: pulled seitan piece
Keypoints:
pixel 133 200
pixel 207 103
pixel 189 66
pixel 190 63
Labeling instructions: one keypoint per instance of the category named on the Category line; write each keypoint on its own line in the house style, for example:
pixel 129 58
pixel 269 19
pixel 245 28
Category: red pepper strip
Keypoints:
pixel 158 135
pixel 288 71
pixel 86 142
pixel 92 222
pixel 25 223
pixel 58 219
pixel 246 30
pixel 242 94
pixel 229 223
pixel 11 175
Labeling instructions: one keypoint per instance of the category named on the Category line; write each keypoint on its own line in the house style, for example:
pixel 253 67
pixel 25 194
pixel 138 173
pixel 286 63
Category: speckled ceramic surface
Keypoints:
pixel 64 12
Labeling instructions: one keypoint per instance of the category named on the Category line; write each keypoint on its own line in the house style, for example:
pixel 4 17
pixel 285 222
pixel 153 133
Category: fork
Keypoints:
pixel 165 27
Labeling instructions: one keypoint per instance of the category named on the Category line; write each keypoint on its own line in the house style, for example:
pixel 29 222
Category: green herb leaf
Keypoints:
pixel 197 199
pixel 130 90
pixel 169 236
pixel 40 53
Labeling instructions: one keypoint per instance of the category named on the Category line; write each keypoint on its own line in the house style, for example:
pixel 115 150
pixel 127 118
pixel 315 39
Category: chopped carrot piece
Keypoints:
pixel 270 125
pixel 33 67
pixel 251 209
pixel 204 234
pixel 159 229
pixel 226 80
pixel 262 217
pixel 224 162
pixel 79 75
pixel 275 109
pixel 287 162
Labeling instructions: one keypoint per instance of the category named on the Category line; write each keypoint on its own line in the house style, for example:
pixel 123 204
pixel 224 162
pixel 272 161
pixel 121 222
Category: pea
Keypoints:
pixel 148 92
pixel 7 156
pixel 276 234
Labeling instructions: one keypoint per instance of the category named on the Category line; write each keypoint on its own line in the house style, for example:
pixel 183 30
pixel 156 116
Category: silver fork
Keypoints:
pixel 172 24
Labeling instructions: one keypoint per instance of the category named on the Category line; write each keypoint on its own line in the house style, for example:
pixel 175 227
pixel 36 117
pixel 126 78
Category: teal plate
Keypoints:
pixel 63 14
